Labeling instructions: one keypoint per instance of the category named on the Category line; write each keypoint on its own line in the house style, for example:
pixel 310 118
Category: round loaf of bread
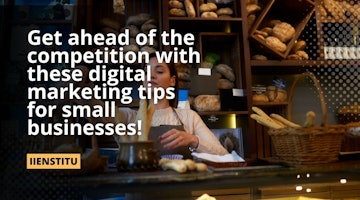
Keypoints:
pixel 226 71
pixel 284 31
pixel 207 103
pixel 176 4
pixel 225 84
pixel 224 11
pixel 207 7
pixel 209 15
pixel 177 12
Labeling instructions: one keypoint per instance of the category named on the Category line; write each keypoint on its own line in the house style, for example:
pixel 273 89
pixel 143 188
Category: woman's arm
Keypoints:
pixel 208 143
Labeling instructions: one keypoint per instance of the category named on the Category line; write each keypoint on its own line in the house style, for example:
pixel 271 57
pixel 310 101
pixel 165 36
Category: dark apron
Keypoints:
pixel 157 131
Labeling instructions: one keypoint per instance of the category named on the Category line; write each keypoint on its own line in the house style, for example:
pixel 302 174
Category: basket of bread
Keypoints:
pixel 303 144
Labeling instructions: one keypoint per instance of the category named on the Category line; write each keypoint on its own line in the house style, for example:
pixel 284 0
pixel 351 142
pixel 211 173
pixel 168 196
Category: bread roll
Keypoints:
pixel 275 44
pixel 224 11
pixel 177 12
pixel 209 15
pixel 298 46
pixel 283 31
pixel 207 7
pixel 176 4
pixel 189 7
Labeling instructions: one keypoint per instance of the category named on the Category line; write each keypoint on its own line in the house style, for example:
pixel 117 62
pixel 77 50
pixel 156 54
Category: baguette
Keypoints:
pixel 176 165
pixel 284 121
pixel 265 122
pixel 262 114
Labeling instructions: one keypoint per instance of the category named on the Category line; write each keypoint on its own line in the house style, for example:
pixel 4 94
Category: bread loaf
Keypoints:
pixel 176 4
pixel 207 103
pixel 177 12
pixel 189 7
pixel 283 31
pixel 226 71
pixel 275 44
pixel 207 7
pixel 209 15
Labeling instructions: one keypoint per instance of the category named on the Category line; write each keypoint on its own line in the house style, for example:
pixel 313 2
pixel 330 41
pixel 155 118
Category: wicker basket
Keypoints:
pixel 312 145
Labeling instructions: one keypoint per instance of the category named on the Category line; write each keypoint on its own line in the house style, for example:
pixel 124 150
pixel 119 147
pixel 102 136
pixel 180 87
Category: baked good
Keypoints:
pixel 293 57
pixel 273 22
pixel 224 11
pixel 207 7
pixel 275 44
pixel 284 31
pixel 189 7
pixel 226 71
pixel 267 30
pixel 225 84
pixel 207 103
pixel 209 15
pixel 298 46
pixel 251 20
pixel 177 12
pixel 334 8
pixel 303 55
pixel 260 98
pixel 252 9
pixel 138 19
pixel 263 33
pixel 259 57
pixel 176 4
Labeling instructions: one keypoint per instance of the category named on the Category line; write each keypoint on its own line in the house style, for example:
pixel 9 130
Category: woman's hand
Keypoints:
pixel 176 138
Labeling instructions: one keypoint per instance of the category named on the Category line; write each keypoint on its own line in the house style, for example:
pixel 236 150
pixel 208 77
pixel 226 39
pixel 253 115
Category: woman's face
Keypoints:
pixel 160 75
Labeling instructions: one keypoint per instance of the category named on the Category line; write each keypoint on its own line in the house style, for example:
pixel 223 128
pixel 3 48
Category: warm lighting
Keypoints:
pixel 299 188
pixel 307 175
pixel 308 189
pixel 298 176
pixel 343 180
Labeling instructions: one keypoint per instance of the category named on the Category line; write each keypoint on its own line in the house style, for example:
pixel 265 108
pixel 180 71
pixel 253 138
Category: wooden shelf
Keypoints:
pixel 264 104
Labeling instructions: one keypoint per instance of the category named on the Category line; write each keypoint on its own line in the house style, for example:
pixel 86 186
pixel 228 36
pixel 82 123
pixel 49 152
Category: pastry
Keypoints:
pixel 224 11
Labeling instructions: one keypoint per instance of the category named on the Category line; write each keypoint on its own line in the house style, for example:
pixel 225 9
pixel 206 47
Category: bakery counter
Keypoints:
pixel 113 182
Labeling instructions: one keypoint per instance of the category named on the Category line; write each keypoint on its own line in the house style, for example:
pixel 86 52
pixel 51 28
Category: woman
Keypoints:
pixel 174 130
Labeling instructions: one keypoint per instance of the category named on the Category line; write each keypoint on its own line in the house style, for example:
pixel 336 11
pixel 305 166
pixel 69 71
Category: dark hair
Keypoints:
pixel 173 102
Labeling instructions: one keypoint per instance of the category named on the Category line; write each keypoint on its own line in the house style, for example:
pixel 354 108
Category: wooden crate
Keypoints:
pixel 296 13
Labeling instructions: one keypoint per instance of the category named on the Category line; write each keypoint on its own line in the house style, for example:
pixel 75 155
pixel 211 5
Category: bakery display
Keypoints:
pixel 275 35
